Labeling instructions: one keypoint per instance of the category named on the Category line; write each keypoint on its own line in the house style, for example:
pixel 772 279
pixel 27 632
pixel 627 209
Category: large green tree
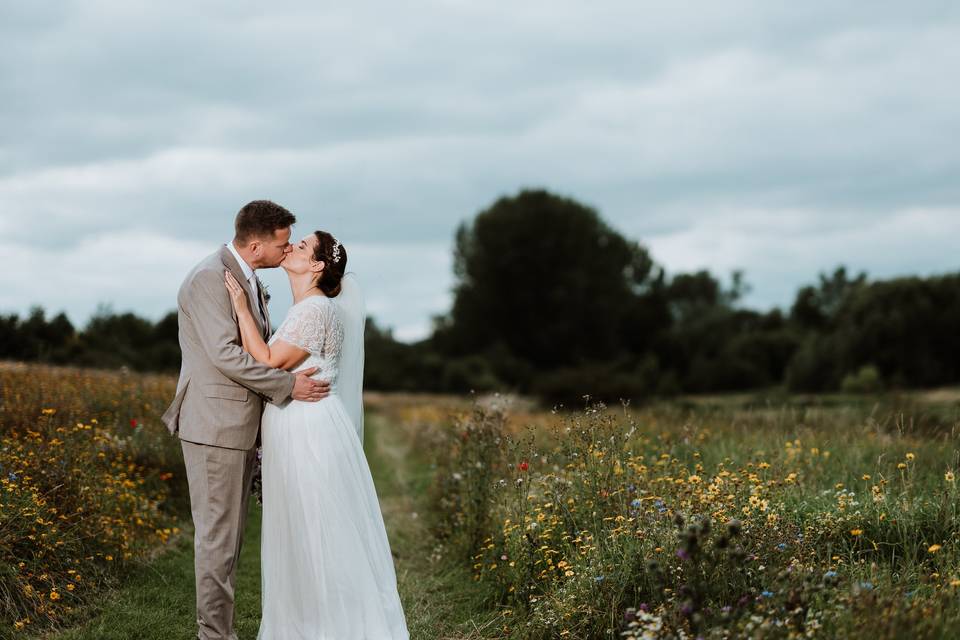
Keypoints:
pixel 541 278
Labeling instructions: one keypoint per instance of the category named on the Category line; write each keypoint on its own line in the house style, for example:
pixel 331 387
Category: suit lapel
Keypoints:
pixel 231 263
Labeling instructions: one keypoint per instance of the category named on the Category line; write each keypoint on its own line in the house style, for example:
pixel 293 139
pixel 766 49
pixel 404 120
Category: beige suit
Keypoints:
pixel 217 411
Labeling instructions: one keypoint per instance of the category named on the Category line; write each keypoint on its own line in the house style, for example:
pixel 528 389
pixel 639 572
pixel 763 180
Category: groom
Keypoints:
pixel 219 400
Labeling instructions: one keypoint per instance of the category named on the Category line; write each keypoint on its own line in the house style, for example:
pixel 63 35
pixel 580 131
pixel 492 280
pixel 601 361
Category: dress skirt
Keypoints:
pixel 327 570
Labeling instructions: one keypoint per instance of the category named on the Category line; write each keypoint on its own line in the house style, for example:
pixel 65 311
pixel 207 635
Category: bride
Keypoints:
pixel 327 571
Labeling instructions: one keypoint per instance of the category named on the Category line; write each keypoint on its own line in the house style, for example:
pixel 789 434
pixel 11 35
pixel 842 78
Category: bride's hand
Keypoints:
pixel 237 295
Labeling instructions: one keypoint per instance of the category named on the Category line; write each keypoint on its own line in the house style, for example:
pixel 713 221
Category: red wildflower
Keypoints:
pixel 523 466
pixel 133 423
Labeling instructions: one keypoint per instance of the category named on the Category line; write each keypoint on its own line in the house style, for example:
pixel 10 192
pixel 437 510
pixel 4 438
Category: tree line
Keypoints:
pixel 108 341
pixel 550 301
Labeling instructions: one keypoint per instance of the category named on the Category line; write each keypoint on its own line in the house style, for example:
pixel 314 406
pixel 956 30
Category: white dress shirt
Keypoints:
pixel 251 277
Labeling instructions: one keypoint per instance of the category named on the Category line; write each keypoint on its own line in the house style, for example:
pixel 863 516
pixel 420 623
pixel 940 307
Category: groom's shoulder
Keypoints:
pixel 208 269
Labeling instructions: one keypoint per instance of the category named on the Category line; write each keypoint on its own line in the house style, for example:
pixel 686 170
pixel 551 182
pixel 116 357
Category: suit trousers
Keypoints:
pixel 219 481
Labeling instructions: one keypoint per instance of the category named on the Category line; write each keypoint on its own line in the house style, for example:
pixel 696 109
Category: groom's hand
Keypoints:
pixel 307 389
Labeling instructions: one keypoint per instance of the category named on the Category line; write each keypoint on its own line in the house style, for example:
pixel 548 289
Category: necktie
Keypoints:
pixel 255 291
pixel 263 311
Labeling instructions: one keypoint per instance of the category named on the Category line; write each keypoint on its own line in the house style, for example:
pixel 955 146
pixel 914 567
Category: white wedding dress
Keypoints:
pixel 327 571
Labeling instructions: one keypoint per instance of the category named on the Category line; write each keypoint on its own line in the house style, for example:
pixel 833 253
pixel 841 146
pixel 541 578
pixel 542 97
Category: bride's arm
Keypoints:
pixel 282 355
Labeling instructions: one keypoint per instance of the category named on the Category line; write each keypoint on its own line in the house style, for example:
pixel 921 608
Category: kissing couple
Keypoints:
pixel 326 567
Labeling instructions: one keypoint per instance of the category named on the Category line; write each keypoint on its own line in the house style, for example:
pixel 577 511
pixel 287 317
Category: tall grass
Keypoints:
pixel 800 520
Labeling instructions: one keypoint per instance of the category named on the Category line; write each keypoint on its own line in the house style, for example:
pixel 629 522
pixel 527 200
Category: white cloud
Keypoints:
pixel 130 270
pixel 780 138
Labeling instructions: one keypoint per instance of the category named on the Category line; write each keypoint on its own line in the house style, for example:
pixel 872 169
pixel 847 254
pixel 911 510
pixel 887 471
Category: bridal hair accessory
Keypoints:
pixel 335 254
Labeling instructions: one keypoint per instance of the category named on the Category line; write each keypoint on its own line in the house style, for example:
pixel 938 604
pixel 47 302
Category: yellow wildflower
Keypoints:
pixel 934 548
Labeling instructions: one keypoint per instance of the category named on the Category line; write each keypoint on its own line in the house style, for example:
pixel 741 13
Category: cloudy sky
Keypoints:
pixel 782 138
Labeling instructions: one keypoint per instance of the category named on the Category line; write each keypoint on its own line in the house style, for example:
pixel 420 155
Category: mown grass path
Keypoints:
pixel 157 601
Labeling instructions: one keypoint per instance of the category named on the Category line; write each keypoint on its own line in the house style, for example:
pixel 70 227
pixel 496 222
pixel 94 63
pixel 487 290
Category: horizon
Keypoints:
pixel 276 282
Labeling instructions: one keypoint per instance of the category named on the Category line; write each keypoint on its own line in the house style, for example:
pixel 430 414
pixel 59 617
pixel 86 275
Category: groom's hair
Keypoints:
pixel 260 219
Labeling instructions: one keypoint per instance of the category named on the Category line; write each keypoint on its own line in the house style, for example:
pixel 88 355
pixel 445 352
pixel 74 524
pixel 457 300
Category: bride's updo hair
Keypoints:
pixel 334 256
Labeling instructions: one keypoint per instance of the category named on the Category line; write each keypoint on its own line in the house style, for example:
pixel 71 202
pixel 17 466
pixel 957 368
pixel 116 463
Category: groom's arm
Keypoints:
pixel 206 301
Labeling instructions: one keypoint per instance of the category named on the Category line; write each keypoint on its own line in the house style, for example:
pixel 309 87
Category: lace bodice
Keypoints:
pixel 313 325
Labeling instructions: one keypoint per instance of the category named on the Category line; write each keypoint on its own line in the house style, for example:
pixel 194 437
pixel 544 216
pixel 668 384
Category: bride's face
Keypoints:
pixel 300 259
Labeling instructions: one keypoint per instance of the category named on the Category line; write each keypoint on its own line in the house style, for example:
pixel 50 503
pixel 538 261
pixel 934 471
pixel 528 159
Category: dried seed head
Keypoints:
pixel 734 528
pixel 705 525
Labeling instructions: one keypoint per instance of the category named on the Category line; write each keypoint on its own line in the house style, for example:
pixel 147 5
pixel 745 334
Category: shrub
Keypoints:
pixel 866 380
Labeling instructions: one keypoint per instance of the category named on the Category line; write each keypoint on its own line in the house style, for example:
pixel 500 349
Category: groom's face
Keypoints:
pixel 273 250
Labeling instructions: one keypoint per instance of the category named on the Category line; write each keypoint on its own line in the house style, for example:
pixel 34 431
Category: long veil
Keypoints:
pixel 353 315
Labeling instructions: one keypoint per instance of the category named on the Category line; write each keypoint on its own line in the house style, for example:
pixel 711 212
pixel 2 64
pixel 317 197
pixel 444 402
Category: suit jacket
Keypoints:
pixel 221 390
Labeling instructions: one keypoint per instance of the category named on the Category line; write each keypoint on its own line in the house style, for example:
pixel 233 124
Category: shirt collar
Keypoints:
pixel 247 271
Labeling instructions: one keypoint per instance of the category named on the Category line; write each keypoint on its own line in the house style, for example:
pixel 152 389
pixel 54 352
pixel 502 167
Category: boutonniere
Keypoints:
pixel 265 289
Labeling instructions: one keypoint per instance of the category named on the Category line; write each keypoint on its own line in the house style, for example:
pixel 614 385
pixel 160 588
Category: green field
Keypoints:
pixel 755 515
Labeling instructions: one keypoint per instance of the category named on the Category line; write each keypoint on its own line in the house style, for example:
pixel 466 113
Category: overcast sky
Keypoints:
pixel 781 140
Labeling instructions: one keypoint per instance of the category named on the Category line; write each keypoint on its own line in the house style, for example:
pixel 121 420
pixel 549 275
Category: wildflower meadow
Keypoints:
pixel 87 487
pixel 705 520
pixel 725 517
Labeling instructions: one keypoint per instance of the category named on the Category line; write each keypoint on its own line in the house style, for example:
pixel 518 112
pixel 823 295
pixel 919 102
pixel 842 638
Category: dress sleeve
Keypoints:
pixel 304 327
